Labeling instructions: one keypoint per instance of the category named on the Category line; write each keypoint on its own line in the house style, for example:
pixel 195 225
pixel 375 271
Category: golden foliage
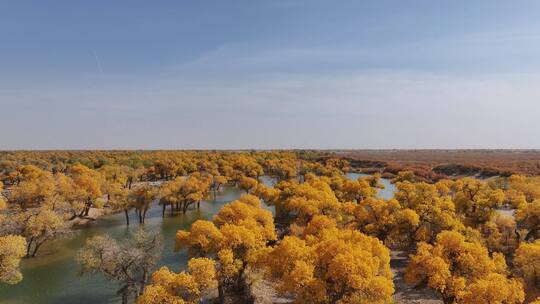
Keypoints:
pixel 476 200
pixel 184 287
pixel 527 187
pixel 386 220
pixel 247 183
pixel 87 180
pixel 460 270
pixel 12 249
pixel 500 234
pixel 183 192
pixel 236 237
pixel 202 239
pixel 527 262
pixel 334 266
pixel 40 226
pixel 141 198
pixel 494 288
pixel 537 301
pixel 528 217
pixel 305 200
pixel 35 187
pixel 3 203
pixel 435 209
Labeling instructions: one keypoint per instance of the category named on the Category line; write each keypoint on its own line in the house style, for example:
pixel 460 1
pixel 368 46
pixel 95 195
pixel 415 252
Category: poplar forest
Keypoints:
pixel 299 226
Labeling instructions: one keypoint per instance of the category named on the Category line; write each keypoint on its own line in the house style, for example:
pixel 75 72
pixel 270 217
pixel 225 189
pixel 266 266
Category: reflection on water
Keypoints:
pixel 52 276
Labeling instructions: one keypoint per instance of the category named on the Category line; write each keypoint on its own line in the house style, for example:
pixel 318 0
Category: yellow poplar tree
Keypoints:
pixel 431 203
pixel 463 272
pixel 529 187
pixel 476 200
pixel 357 190
pixel 42 226
pixel 12 250
pixel 247 183
pixel 333 266
pixel 3 203
pixel 217 181
pixel 88 182
pixel 71 197
pixel 494 288
pixel 302 201
pixel 528 217
pixel 141 198
pixel 537 301
pixel 184 192
pixel 186 287
pixel 527 262
pixel 118 198
pixel 236 236
pixel 500 234
pixel 386 220
pixel 35 188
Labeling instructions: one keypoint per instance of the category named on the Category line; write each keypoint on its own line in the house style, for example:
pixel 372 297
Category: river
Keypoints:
pixel 52 277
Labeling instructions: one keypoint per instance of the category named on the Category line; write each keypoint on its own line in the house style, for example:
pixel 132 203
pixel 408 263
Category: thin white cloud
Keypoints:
pixel 355 110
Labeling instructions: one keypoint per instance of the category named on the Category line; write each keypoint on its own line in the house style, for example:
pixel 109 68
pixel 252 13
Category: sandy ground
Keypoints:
pixel 93 214
pixel 404 292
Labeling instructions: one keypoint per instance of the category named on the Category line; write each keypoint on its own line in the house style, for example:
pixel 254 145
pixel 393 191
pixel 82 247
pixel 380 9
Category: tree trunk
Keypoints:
pixel 448 300
pixel 73 216
pixel 184 208
pixel 221 292
pixel 144 215
pixel 36 248
pixel 143 282
pixel 163 211
pixel 29 246
pixel 531 234
pixel 125 291
pixel 127 217
pixel 87 207
pixel 124 297
pixel 243 288
pixel 240 280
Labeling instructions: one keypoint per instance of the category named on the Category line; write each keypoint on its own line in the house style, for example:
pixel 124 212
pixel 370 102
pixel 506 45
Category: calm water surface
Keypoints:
pixel 52 276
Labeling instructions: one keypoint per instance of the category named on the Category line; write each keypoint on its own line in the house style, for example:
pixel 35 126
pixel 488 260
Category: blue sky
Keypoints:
pixel 269 74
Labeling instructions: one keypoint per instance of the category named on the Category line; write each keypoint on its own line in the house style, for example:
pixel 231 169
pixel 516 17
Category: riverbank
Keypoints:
pixel 93 214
